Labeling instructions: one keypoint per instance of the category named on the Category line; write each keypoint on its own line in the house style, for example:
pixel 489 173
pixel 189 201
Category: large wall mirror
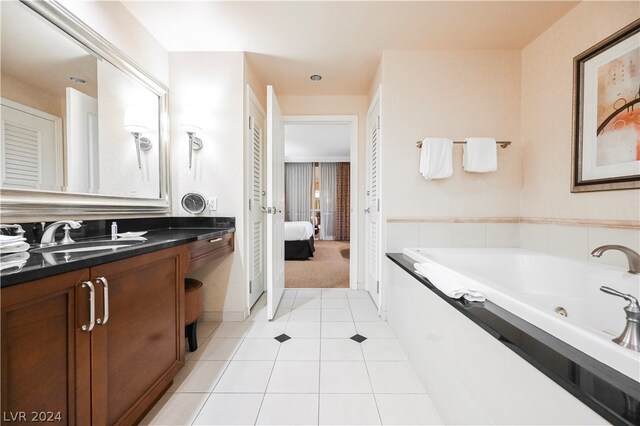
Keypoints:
pixel 83 127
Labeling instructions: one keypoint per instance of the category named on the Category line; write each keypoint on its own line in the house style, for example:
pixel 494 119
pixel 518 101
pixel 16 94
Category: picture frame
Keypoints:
pixel 606 114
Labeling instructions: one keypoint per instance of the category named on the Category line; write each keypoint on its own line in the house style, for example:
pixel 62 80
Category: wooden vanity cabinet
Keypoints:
pixel 204 251
pixel 112 374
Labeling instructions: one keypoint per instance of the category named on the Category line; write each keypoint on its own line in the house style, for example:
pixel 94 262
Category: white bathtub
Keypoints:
pixel 532 285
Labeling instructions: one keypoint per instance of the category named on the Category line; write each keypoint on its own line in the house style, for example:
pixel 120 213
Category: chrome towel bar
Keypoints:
pixel 503 144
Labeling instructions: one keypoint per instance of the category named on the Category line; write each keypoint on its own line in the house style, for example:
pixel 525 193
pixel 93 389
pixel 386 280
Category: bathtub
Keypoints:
pixel 535 286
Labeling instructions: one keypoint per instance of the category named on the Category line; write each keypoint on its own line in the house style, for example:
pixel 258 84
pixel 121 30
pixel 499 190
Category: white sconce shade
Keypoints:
pixel 135 120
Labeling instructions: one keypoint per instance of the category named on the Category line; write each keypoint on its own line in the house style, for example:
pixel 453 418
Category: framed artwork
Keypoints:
pixel 606 113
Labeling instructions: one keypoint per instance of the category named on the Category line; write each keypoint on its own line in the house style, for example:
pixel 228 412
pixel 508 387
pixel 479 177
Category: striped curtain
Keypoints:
pixel 327 200
pixel 343 201
pixel 298 191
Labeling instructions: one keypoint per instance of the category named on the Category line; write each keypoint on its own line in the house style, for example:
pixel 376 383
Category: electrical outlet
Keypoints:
pixel 213 204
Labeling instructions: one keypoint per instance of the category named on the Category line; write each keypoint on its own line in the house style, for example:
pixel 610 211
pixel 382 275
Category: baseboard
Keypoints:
pixel 216 316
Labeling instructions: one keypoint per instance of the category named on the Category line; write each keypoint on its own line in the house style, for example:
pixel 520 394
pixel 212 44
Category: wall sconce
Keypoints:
pixel 195 143
pixel 134 123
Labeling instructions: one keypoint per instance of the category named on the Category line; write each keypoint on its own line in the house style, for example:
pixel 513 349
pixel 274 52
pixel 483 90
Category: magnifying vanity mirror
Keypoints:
pixel 83 127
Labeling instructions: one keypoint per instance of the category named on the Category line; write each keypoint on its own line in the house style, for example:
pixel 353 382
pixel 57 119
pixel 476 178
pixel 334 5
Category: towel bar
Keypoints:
pixel 503 144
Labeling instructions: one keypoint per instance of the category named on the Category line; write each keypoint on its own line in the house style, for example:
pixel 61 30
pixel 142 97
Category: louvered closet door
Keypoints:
pixel 372 212
pixel 256 132
pixel 29 147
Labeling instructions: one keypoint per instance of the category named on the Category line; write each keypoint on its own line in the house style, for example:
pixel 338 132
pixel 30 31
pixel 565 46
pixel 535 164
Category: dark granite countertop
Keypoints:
pixel 606 391
pixel 161 233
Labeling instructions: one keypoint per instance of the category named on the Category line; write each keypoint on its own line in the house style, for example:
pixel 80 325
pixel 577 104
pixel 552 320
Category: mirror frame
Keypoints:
pixel 15 203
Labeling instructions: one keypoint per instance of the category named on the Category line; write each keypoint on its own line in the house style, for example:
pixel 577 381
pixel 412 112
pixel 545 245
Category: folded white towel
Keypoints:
pixel 436 158
pixel 16 260
pixel 10 239
pixel 446 284
pixel 14 247
pixel 480 155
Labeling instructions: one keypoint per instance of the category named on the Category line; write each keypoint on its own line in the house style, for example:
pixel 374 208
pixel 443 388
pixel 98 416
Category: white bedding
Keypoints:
pixel 297 231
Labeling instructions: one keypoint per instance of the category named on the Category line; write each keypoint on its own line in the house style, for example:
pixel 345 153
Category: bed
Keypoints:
pixel 298 240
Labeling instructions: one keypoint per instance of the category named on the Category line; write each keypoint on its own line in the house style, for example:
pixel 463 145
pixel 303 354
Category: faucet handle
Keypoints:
pixel 633 305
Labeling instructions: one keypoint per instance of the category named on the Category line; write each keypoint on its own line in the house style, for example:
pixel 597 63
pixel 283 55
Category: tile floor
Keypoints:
pixel 241 375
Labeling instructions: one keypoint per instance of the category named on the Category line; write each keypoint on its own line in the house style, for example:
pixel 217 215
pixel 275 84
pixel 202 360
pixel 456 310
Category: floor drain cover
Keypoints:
pixel 358 338
pixel 282 338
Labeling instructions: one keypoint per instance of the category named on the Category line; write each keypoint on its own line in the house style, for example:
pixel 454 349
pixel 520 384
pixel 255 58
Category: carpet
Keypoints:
pixel 328 268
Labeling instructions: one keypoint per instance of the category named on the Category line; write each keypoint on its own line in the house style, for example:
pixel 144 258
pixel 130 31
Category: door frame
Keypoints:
pixel 354 218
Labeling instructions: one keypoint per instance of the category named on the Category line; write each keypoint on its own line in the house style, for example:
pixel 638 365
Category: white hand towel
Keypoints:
pixel 446 284
pixel 16 260
pixel 5 239
pixel 436 158
pixel 14 247
pixel 480 155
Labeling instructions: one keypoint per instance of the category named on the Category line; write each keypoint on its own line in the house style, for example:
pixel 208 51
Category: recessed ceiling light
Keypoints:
pixel 78 80
pixel 315 77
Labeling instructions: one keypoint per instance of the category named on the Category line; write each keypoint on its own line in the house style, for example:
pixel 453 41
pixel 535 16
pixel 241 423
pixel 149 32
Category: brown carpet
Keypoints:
pixel 328 268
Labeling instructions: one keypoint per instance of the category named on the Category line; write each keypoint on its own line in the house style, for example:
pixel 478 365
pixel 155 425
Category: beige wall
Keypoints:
pixel 209 87
pixel 338 105
pixel 26 94
pixel 547 76
pixel 454 94
pixel 253 79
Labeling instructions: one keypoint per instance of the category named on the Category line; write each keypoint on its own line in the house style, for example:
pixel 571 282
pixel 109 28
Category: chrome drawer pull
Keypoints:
pixel 92 306
pixel 216 240
pixel 105 285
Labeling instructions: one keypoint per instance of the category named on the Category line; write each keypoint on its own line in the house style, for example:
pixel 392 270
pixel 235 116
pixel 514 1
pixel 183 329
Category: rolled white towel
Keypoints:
pixel 446 284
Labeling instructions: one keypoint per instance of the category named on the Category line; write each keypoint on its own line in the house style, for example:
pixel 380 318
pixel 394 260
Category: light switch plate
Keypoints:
pixel 213 204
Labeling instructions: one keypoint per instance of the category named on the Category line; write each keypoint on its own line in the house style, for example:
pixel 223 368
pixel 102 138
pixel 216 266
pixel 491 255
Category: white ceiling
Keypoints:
pixel 341 40
pixel 316 142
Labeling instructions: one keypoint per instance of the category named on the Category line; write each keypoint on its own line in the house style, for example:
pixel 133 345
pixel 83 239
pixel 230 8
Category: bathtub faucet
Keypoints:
pixel 632 256
pixel 630 337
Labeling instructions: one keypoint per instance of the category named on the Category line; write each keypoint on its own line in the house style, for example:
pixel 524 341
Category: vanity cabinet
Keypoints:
pixel 202 252
pixel 110 374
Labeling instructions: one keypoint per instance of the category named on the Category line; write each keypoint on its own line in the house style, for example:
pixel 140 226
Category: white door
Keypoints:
pixel 275 203
pixel 256 198
pixel 373 250
pixel 83 171
pixel 30 148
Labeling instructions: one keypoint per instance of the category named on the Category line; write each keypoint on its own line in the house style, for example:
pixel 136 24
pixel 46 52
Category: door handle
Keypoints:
pixel 367 210
pixel 216 240
pixel 92 306
pixel 105 300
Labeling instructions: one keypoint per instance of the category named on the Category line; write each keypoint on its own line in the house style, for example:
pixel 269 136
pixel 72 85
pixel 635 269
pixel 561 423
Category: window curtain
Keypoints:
pixel 343 201
pixel 298 189
pixel 328 175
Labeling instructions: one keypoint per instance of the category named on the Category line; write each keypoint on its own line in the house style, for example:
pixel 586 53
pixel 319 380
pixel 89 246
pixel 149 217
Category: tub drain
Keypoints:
pixel 560 310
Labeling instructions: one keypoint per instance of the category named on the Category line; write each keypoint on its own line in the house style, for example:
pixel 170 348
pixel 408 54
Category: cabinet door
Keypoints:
pixel 45 353
pixel 140 348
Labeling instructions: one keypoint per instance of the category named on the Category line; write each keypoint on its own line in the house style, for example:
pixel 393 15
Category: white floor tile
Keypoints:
pixel 394 377
pixel 289 409
pixel 230 409
pixel 289 293
pixel 300 350
pixel 231 329
pixel 281 315
pixel 307 303
pixel 344 377
pixel 257 350
pixel 340 350
pixel 266 330
pixel 204 329
pixel 294 377
pixel 305 315
pixel 303 330
pixel 375 330
pixel 286 302
pixel 259 314
pixel 334 293
pixel 358 294
pixel 340 330
pixel 335 303
pixel 217 349
pixel 348 410
pixel 383 350
pixel 365 315
pixel 304 293
pixel 198 376
pixel 407 409
pixel 336 315
pixel 245 376
pixel 175 409
pixel 362 304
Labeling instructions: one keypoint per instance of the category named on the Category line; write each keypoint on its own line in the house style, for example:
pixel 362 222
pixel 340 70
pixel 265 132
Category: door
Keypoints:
pixel 372 212
pixel 256 198
pixel 83 171
pixel 275 203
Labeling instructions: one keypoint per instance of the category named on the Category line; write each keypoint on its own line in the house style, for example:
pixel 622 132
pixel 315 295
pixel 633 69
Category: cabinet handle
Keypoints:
pixel 216 240
pixel 92 306
pixel 105 299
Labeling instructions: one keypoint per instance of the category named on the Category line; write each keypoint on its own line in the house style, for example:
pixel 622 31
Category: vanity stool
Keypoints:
pixel 192 310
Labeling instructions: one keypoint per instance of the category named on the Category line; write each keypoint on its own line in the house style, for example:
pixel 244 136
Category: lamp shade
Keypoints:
pixel 135 119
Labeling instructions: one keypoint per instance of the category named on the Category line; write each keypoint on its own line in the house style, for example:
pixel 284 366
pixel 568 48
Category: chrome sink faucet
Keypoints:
pixel 632 256
pixel 630 337
pixel 49 235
